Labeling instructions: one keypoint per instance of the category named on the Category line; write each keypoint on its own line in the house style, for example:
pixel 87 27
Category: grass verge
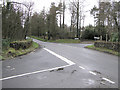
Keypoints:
pixel 11 52
pixel 65 41
pixel 103 50
pixel 58 40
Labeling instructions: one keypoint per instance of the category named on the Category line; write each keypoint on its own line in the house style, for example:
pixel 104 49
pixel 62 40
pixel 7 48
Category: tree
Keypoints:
pixel 89 33
pixel 38 24
pixel 64 14
pixel 79 15
pixel 52 18
pixel 60 11
pixel 12 24
pixel 107 18
pixel 27 22
pixel 73 20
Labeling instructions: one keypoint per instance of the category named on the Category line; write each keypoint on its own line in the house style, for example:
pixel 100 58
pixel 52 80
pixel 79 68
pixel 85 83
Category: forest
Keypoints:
pixel 19 22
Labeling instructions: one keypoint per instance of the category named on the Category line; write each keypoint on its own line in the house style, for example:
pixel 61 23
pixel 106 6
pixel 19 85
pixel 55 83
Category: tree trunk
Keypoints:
pixel 78 19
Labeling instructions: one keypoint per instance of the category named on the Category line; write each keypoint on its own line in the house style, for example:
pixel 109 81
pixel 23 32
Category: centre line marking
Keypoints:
pixel 25 74
pixel 59 56
pixel 92 73
pixel 108 80
pixel 81 67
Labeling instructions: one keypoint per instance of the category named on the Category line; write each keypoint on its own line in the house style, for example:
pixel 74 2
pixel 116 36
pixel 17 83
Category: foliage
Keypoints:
pixel 11 22
pixel 58 40
pixel 106 18
pixel 21 44
pixel 5 43
pixel 11 52
pixel 66 41
pixel 46 24
pixel 89 32
pixel 103 50
pixel 114 37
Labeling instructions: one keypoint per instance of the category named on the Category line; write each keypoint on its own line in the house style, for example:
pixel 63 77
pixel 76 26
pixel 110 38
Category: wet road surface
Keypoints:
pixel 57 65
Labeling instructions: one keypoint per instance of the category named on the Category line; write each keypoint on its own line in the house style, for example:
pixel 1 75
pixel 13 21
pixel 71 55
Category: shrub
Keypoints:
pixel 5 43
pixel 114 37
pixel 24 44
pixel 109 45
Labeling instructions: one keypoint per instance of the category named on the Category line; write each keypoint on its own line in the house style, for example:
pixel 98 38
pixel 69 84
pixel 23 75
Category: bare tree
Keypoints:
pixel 73 20
pixel 27 26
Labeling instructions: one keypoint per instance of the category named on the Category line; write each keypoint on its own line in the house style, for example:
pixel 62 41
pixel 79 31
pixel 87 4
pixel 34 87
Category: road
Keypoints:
pixel 57 65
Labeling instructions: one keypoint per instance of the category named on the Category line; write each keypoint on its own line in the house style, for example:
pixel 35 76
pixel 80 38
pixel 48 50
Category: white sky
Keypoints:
pixel 39 4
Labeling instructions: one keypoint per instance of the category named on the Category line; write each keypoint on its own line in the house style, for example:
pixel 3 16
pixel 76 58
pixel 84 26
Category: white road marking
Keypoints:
pixel 108 80
pixel 25 74
pixel 81 67
pixel 92 73
pixel 12 69
pixel 59 56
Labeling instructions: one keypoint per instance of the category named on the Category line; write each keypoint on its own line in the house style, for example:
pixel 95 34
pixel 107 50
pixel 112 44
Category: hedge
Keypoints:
pixel 109 45
pixel 24 44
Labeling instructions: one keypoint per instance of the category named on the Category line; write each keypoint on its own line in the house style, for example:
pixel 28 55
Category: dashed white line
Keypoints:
pixel 108 80
pixel 92 73
pixel 81 67
pixel 59 56
pixel 25 74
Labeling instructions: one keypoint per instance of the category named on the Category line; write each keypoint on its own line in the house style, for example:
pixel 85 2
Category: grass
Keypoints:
pixel 103 50
pixel 0 57
pixel 11 52
pixel 65 41
pixel 41 39
pixel 58 40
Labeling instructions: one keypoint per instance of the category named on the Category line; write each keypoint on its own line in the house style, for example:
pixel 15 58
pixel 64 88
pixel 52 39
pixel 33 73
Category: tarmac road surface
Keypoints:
pixel 57 65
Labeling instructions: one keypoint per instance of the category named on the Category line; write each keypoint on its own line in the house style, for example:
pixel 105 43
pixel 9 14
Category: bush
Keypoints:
pixel 24 44
pixel 5 43
pixel 109 45
pixel 114 37
pixel 89 33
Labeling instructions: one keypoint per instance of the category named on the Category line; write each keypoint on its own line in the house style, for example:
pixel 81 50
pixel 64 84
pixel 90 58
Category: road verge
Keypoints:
pixel 103 50
pixel 12 53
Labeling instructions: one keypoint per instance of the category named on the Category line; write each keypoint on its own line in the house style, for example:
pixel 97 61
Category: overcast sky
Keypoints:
pixel 39 4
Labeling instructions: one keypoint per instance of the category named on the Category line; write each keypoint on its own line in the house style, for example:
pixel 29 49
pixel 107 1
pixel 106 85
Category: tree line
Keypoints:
pixel 106 20
pixel 18 23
